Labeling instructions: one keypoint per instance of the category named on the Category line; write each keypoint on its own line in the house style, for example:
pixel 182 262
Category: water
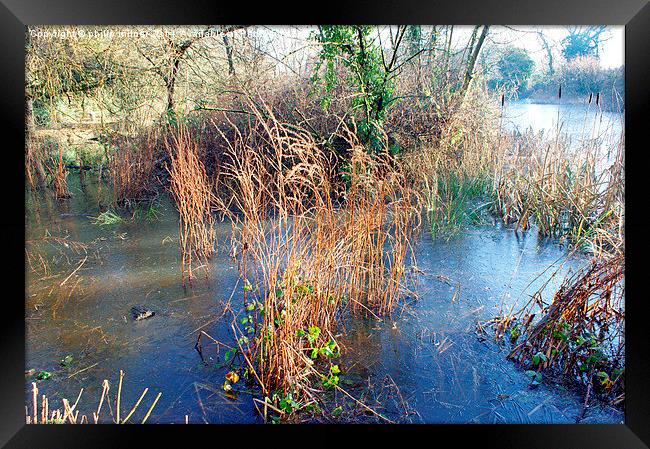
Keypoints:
pixel 426 364
pixel 581 123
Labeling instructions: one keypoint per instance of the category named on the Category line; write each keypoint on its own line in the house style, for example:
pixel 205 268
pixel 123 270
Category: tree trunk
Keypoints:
pixel 171 114
pixel 229 52
pixel 170 81
pixel 177 53
pixel 472 61
pixel 449 35
pixel 470 47
pixel 549 52
pixel 432 43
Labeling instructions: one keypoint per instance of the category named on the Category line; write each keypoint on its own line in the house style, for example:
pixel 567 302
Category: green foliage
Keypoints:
pixel 451 206
pixel 329 349
pixel 515 67
pixel 354 48
pixel 515 332
pixel 43 375
pixel 582 42
pixel 304 290
pixel 538 358
pixel 414 38
pixel 559 332
pixel 288 403
pixel 332 379
pixel 107 218
pixel 229 354
pixel 150 213
pixel 583 75
pixel 41 113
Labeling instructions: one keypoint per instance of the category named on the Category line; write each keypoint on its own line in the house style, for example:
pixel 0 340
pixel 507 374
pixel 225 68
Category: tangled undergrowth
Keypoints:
pixel 579 334
pixel 304 258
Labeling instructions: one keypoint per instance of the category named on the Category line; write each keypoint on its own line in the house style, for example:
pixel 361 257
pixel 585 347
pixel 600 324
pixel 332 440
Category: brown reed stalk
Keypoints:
pixel 194 196
pixel 58 173
pixel 581 332
pixel 303 256
pixel 132 167
pixel 70 414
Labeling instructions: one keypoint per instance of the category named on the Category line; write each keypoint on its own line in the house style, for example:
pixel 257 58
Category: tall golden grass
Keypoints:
pixel 132 167
pixel 453 167
pixel 305 256
pixel 193 195
pixel 566 192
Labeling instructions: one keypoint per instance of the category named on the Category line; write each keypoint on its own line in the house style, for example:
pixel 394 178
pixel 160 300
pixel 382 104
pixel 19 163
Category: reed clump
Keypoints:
pixel 454 166
pixel 43 413
pixel 305 256
pixel 193 195
pixel 132 168
pixel 568 193
pixel 35 157
pixel 55 167
pixel 580 334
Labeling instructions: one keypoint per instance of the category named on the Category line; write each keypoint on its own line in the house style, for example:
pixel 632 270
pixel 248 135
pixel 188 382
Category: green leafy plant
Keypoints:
pixel 515 332
pixel 369 74
pixel 538 358
pixel 43 375
pixel 329 349
pixel 332 379
pixel 107 218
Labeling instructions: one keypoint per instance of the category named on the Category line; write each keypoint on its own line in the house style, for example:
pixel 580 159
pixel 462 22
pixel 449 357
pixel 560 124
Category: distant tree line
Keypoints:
pixel 578 74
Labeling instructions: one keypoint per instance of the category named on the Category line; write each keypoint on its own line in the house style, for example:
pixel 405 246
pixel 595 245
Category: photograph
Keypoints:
pixel 324 224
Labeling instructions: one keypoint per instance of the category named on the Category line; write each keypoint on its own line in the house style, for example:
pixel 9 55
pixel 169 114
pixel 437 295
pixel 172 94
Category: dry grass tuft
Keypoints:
pixel 132 168
pixel 193 195
pixel 305 256
pixel 70 413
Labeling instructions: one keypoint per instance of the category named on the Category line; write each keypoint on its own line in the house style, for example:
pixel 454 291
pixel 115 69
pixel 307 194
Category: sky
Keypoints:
pixel 611 49
pixel 285 40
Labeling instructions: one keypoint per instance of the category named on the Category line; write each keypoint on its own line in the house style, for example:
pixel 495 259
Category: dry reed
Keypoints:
pixel 580 333
pixel 70 413
pixel 193 195
pixel 304 256
pixel 55 168
pixel 566 192
pixel 132 168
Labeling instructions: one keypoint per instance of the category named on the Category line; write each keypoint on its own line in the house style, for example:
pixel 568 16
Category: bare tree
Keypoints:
pixel 474 52
pixel 167 65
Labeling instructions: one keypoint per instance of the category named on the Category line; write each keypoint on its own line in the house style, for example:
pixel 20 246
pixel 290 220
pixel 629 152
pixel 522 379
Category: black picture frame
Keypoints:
pixel 15 15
